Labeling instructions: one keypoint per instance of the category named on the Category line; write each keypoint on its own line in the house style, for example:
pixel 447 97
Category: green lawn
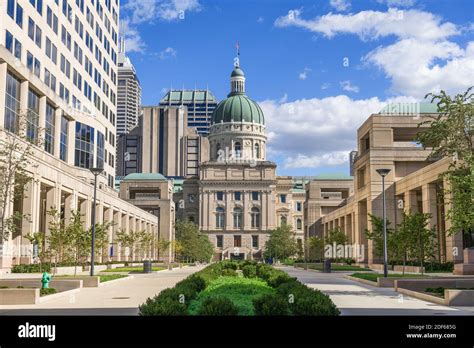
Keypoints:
pixel 135 269
pixel 334 267
pixel 373 276
pixel 106 277
pixel 241 291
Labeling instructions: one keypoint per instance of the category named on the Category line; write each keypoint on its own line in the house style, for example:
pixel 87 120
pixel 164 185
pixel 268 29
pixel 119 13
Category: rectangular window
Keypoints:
pixel 282 198
pixel 12 102
pixel 255 195
pixel 49 129
pixel 237 241
pixel 237 196
pixel 84 151
pixel 29 61
pixel 64 139
pixel 11 8
pixel 220 196
pixel 17 51
pixel 219 241
pixel 19 16
pixel 9 41
pixel 255 242
pixel 298 206
pixel 32 117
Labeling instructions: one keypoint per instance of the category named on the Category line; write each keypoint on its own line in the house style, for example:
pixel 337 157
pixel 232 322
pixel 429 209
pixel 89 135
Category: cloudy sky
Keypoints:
pixel 318 68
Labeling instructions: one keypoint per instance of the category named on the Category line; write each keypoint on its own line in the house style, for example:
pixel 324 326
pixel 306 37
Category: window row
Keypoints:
pixel 237 215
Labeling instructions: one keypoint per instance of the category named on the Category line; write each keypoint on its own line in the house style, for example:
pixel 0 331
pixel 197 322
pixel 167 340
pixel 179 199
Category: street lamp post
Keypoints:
pixel 96 172
pixel 383 173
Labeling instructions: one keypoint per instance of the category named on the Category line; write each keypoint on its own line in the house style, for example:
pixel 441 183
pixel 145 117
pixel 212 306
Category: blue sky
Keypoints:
pixel 293 52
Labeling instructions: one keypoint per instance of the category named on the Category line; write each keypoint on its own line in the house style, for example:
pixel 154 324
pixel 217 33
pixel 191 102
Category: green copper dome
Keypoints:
pixel 238 108
pixel 237 72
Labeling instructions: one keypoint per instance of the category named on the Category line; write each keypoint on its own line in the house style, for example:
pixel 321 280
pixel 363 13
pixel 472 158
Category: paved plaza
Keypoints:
pixel 119 297
pixel 354 298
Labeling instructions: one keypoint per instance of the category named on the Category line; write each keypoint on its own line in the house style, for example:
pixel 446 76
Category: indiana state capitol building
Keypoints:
pixel 237 199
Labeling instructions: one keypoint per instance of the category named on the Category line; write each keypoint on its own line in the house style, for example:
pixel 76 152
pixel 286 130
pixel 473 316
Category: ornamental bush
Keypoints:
pixel 32 268
pixel 228 273
pixel 249 271
pixel 218 306
pixel 271 304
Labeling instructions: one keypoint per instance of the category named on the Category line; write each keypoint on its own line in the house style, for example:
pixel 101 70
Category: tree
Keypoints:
pixel 422 240
pixel 80 238
pixel 102 237
pixel 451 134
pixel 194 244
pixel 38 239
pixel 337 236
pixel 161 245
pixel 16 153
pixel 281 244
pixel 60 241
pixel 377 237
pixel 128 240
pixel 315 248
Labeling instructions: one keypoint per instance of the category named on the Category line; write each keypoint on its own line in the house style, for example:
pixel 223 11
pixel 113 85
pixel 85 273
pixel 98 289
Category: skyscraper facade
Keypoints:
pixel 200 105
pixel 129 93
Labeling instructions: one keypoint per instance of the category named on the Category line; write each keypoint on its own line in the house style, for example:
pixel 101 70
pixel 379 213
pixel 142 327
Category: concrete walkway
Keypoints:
pixel 120 297
pixel 354 298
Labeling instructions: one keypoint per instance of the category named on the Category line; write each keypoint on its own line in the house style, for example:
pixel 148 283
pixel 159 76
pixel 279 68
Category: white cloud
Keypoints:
pixel 141 11
pixel 421 59
pixel 312 133
pixel 260 19
pixel 283 99
pixel 133 40
pixel 347 86
pixel 325 86
pixel 340 5
pixel 304 74
pixel 397 3
pixel 167 53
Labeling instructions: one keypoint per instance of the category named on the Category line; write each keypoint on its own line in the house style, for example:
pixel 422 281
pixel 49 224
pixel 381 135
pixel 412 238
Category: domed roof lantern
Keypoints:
pixel 237 77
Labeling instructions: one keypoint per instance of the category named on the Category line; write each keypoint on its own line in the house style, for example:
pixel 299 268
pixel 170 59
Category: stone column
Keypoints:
pixel 24 87
pixel 410 202
pixel 3 88
pixel 229 216
pixel 454 243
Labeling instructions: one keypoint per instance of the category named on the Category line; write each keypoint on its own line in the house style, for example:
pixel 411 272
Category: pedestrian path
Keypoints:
pixel 121 297
pixel 354 298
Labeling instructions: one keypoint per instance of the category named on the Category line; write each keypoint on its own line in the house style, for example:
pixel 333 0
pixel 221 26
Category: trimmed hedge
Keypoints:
pixel 271 304
pixel 291 298
pixel 218 306
pixel 32 268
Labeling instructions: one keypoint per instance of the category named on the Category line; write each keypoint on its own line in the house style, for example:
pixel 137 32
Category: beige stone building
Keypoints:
pixel 67 86
pixel 386 140
pixel 237 199
pixel 154 194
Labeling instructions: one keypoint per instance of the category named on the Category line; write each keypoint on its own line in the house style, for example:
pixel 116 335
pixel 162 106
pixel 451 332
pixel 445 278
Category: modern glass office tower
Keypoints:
pixel 200 105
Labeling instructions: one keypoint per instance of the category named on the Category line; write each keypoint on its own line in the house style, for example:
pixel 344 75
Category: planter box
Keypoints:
pixel 59 284
pixel 65 270
pixel 422 296
pixel 19 296
pixel 422 284
pixel 87 281
pixel 115 265
pixel 409 269
pixel 97 268
pixel 458 297
pixel 379 266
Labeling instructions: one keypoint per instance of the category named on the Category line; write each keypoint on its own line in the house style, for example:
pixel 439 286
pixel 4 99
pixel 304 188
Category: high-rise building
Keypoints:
pixel 199 103
pixel 129 93
pixel 58 74
pixel 162 143
pixel 352 159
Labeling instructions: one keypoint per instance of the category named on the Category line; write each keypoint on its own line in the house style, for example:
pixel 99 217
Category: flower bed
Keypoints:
pixel 258 289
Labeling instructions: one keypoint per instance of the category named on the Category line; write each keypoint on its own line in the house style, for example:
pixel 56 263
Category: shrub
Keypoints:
pixel 229 273
pixel 227 264
pixel 162 306
pixel 270 304
pixel 249 271
pixel 314 304
pixel 49 291
pixel 218 306
pixel 32 268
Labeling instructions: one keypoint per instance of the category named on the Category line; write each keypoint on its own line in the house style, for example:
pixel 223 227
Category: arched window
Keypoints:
pixel 257 150
pixel 299 224
pixel 218 148
pixel 283 220
pixel 255 217
pixel 220 217
pixel 237 217
pixel 237 149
